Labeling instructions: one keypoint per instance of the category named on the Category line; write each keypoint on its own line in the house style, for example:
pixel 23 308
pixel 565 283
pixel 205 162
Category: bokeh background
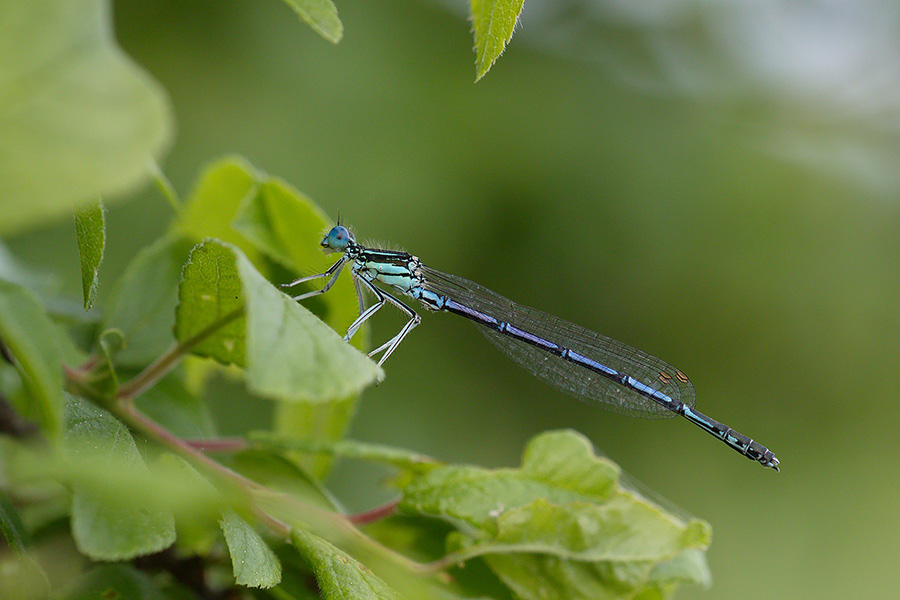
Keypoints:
pixel 716 183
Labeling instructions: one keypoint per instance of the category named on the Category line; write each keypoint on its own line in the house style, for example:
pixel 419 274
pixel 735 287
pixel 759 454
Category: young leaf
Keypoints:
pixel 283 223
pixel 143 304
pixel 164 186
pixel 110 523
pixel 253 562
pixel 90 230
pixel 289 353
pixel 561 523
pixel 210 303
pixel 31 339
pixel 338 574
pixel 79 118
pixel 493 22
pixel 292 355
pixel 215 200
pixel 321 15
pixel 287 226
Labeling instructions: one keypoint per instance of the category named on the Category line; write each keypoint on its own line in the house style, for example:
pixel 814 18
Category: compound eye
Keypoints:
pixel 338 238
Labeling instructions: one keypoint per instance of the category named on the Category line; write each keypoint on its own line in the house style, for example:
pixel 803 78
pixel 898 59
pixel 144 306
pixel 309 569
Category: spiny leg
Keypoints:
pixel 333 271
pixel 382 296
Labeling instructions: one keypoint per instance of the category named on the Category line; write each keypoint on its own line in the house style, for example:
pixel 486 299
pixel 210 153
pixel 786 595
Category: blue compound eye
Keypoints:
pixel 338 239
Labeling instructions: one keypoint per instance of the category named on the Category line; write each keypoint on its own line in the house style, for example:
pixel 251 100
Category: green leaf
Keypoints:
pixel 355 566
pixel 111 524
pixel 339 575
pixel 561 523
pixel 273 215
pixel 210 303
pixel 110 582
pixel 287 226
pixel 31 339
pixel 544 577
pixel 90 230
pixel 78 119
pixel 690 566
pixel 253 562
pixel 321 15
pixel 164 186
pixel 493 22
pixel 212 205
pixel 422 540
pixel 263 215
pixel 292 355
pixel 289 354
pixel 143 304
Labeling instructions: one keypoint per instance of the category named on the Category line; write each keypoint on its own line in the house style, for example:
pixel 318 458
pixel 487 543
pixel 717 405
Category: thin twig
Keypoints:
pixel 169 359
pixel 374 514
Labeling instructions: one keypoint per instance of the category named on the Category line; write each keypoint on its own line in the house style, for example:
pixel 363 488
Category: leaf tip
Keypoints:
pixel 493 23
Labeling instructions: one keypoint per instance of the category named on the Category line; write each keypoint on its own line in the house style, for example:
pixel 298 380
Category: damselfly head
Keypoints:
pixel 338 239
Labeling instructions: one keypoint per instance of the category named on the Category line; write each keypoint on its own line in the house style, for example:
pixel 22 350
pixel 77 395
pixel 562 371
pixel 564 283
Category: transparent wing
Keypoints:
pixel 571 377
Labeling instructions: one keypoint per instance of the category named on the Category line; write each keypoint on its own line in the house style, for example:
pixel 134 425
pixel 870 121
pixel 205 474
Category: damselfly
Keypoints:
pixel 581 362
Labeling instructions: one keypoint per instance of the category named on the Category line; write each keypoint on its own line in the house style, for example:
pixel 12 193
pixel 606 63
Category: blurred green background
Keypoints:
pixel 714 183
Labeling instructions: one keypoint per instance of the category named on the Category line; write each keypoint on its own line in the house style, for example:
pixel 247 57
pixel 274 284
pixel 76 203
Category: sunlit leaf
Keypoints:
pixel 283 223
pixel 78 118
pixel 560 523
pixel 289 354
pixel 213 203
pixel 210 302
pixel 90 231
pixel 287 226
pixel 321 15
pixel 493 22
